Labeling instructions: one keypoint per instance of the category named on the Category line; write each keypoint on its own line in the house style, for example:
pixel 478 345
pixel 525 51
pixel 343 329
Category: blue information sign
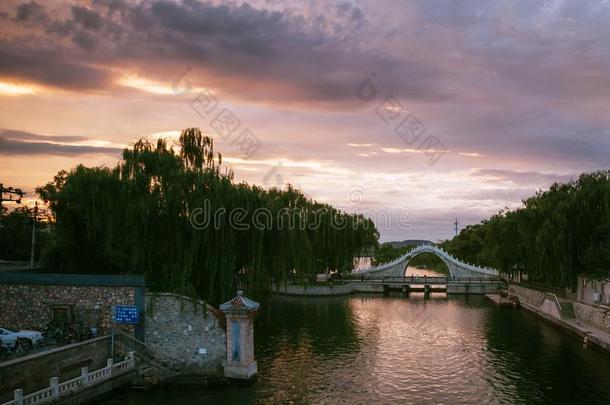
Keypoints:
pixel 126 314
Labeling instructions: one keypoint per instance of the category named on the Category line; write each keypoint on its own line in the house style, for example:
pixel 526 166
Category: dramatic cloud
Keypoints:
pixel 50 67
pixel 224 44
pixel 28 136
pixel 522 178
pixel 14 142
pixel 515 92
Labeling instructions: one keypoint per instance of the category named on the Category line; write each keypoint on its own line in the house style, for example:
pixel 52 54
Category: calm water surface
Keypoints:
pixel 373 349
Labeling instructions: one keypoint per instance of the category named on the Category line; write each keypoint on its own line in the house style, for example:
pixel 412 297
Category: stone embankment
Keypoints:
pixel 327 290
pixel 187 333
pixel 588 321
pixel 482 287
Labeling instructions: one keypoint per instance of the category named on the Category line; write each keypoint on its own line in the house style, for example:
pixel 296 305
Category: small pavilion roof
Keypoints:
pixel 240 304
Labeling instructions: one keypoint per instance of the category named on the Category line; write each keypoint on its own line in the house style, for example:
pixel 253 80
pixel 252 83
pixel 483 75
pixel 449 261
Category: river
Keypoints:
pixel 373 349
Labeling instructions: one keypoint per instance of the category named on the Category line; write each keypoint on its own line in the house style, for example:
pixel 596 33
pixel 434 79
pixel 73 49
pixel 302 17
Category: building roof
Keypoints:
pixel 114 280
pixel 240 304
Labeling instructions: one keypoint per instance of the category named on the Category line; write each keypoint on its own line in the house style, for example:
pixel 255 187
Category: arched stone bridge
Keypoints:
pixel 456 267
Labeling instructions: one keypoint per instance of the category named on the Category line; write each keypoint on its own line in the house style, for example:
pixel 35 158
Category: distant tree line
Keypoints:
pixel 137 218
pixel 557 235
pixel 387 253
pixel 16 234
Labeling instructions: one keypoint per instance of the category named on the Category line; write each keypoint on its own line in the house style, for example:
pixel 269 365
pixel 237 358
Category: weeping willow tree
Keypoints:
pixel 136 218
pixel 557 235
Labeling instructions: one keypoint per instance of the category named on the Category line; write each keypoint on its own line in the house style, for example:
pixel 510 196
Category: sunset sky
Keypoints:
pixel 502 98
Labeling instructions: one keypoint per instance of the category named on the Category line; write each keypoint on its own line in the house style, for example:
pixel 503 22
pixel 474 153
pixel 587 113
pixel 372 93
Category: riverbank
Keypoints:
pixel 578 318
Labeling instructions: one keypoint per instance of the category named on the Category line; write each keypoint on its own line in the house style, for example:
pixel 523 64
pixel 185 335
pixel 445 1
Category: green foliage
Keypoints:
pixel 386 253
pixel 134 218
pixel 557 235
pixel 431 261
pixel 16 235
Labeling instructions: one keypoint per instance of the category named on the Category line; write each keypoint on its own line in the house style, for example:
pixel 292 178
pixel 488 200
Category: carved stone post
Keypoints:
pixel 54 384
pixel 18 396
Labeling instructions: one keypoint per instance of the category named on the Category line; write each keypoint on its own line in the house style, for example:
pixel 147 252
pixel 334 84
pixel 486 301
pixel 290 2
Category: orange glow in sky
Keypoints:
pixel 442 113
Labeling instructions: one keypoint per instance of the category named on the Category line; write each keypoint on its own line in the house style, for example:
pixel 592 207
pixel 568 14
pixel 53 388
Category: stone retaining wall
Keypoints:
pixel 27 299
pixel 322 290
pixel 595 315
pixel 527 295
pixel 537 301
pixel 29 306
pixel 326 290
pixel 177 327
pixel 473 288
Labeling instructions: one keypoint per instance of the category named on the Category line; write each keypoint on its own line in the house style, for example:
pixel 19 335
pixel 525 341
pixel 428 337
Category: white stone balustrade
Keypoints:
pixel 457 268
pixel 57 390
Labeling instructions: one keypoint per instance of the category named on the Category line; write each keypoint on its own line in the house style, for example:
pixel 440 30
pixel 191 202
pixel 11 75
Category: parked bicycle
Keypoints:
pixel 57 333
pixel 21 347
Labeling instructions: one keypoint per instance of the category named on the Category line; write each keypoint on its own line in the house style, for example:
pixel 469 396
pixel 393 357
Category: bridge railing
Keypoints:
pixel 423 279
pixel 476 279
pixel 438 251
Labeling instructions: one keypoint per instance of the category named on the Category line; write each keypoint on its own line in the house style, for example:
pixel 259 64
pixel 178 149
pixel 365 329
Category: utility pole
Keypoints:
pixel 456 223
pixel 36 215
pixel 10 191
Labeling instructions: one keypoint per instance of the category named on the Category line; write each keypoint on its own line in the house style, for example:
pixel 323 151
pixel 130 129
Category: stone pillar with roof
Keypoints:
pixel 239 313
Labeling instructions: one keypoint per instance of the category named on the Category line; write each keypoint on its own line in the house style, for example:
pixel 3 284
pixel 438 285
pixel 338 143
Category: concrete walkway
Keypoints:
pixel 594 334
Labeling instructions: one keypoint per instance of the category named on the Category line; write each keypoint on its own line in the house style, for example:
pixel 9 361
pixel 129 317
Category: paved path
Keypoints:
pixel 598 335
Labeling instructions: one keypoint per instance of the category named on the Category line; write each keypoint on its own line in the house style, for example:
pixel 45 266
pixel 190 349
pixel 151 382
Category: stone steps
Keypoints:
pixel 151 369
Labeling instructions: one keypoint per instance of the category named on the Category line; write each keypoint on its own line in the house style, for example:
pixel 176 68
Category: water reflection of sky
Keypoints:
pixel 373 349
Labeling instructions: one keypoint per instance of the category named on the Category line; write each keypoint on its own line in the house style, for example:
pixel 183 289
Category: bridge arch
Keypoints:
pixel 457 268
pixel 409 260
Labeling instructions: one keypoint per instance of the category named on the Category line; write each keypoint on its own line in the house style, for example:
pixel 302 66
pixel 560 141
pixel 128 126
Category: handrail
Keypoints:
pixel 556 299
pixel 121 334
pixel 143 349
